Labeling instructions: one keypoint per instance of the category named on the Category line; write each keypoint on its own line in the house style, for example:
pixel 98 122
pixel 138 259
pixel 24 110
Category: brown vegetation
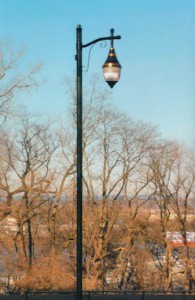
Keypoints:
pixel 137 188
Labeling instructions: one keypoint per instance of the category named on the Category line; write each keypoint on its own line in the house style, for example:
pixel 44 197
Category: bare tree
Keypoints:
pixel 115 151
pixel 162 162
pixel 27 176
pixel 64 173
pixel 12 79
pixel 183 206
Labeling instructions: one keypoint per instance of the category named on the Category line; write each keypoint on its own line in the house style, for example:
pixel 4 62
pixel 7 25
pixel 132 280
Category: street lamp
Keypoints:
pixel 111 68
pixel 111 71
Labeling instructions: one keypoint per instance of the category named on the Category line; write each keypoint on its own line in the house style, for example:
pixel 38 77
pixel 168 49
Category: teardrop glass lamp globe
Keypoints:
pixel 111 68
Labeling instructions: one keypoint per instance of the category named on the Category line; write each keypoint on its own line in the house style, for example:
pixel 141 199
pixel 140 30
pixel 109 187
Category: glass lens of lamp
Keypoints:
pixel 111 73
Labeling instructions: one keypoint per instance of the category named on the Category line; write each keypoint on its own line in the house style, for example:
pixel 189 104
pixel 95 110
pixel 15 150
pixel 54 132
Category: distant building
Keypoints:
pixel 9 224
pixel 177 240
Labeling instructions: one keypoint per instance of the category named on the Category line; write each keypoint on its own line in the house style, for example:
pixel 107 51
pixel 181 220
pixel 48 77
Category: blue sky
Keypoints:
pixel 156 52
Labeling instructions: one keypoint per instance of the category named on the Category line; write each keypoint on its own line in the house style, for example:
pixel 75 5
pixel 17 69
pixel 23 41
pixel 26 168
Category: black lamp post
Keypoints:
pixel 111 71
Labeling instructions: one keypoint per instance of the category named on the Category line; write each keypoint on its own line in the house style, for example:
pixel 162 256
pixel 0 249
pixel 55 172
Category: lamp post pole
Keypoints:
pixel 111 70
pixel 79 162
